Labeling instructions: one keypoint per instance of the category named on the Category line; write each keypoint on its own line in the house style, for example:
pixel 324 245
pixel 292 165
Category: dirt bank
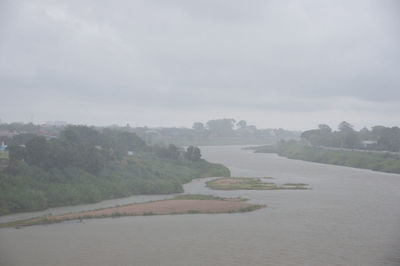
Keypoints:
pixel 163 207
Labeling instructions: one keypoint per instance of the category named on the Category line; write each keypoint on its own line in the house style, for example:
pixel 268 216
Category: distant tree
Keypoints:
pixel 173 152
pixel 81 134
pixel 193 153
pixel 389 139
pixel 21 127
pixel 198 126
pixel 118 143
pixel 221 127
pixel 345 127
pixel 320 137
pixel 324 128
pixel 16 152
pixel 22 139
pixel 313 137
pixel 346 137
pixel 128 141
pixel 252 128
pixel 349 138
pixel 170 152
pixel 65 154
pixel 37 152
pixel 377 131
pixel 365 134
pixel 241 124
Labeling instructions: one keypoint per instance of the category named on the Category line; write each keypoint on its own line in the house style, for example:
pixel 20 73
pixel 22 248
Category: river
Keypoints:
pixel 349 217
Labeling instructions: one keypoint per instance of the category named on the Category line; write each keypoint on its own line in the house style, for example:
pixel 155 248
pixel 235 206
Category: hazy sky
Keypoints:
pixel 290 64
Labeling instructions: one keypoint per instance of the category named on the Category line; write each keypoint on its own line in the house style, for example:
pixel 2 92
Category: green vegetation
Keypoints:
pixel 84 165
pixel 384 162
pixel 4 155
pixel 243 183
pixel 378 138
pixel 197 197
pixel 193 153
pixel 376 149
pixel 295 184
pixel 4 159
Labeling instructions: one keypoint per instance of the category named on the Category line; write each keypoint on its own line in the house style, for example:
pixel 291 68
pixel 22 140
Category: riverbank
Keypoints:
pixel 350 217
pixel 184 204
pixel 32 188
pixel 382 162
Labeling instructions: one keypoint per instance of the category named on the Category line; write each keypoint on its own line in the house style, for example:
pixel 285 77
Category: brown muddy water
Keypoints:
pixel 349 217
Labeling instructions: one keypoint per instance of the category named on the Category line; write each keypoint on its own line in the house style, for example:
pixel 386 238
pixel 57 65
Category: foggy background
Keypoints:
pixel 291 64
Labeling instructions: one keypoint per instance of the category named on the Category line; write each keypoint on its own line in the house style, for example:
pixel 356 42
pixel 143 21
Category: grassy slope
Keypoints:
pixel 32 188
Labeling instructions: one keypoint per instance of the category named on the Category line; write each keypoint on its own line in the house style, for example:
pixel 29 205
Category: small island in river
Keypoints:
pixel 253 183
pixel 182 204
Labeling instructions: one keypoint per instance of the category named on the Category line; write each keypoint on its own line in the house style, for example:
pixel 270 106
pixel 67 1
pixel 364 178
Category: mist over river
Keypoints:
pixel 349 217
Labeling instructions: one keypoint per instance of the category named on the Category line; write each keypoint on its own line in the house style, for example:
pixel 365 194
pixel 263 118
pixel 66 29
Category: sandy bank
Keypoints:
pixel 163 207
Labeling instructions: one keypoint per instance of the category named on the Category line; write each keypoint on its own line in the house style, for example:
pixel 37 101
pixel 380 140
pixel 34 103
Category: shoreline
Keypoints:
pixel 383 162
pixel 185 204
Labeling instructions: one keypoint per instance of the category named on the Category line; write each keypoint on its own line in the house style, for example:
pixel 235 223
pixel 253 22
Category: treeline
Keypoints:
pixel 216 132
pixel 226 131
pixel 377 161
pixel 85 165
pixel 20 127
pixel 8 130
pixel 379 138
pixel 78 146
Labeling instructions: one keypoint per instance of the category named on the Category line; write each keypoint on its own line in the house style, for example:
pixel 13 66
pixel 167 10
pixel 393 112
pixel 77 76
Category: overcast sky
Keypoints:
pixel 290 64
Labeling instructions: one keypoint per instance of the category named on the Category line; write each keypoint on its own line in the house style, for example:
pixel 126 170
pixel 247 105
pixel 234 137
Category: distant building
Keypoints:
pixel 3 146
pixel 56 123
pixel 4 159
pixel 368 143
pixel 9 133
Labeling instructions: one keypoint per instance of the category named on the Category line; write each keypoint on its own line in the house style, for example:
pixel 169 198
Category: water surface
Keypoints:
pixel 349 217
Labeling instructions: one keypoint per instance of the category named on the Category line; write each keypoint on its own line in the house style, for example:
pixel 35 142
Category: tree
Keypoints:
pixel 16 152
pixel 324 128
pixel 322 136
pixel 193 153
pixel 221 127
pixel 198 126
pixel 389 139
pixel 345 127
pixel 120 142
pixel 22 139
pixel 349 138
pixel 37 152
pixel 365 134
pixel 241 124
pixel 378 131
pixel 81 134
pixel 171 152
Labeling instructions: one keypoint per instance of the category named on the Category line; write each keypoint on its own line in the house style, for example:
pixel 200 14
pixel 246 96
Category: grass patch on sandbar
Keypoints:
pixel 253 183
pixel 197 197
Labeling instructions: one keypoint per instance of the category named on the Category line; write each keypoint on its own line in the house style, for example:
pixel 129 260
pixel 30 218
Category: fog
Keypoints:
pixel 287 64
